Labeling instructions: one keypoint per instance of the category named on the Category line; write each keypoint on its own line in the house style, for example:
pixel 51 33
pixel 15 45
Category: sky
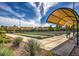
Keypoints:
pixel 30 14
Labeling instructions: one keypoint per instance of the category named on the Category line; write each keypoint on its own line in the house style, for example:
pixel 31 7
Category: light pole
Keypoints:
pixel 20 25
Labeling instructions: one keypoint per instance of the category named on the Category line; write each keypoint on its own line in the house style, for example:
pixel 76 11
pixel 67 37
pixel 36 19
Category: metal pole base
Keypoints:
pixel 76 45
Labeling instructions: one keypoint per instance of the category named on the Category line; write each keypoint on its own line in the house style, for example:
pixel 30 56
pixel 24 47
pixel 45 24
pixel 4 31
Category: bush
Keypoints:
pixel 2 40
pixel 17 41
pixel 32 47
pixel 5 52
pixel 3 36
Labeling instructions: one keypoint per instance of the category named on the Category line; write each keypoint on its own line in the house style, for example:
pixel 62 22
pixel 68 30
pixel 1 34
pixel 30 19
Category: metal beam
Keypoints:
pixel 77 43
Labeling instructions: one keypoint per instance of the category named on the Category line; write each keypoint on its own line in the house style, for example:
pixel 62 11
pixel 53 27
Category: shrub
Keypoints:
pixel 32 47
pixel 17 41
pixel 5 51
pixel 3 36
pixel 4 40
pixel 1 40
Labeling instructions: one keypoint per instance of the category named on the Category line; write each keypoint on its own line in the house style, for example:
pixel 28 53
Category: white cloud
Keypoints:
pixel 46 7
pixel 8 8
pixel 8 21
pixel 24 22
pixel 34 22
pixel 37 19
pixel 47 25
pixel 13 21
pixel 48 4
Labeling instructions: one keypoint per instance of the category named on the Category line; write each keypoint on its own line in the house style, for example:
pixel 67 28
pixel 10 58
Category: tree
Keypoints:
pixel 50 28
pixel 58 27
pixel 14 28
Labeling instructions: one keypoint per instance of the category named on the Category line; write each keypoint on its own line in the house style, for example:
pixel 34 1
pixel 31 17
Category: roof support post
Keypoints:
pixel 73 29
pixel 69 32
pixel 66 32
pixel 77 35
pixel 73 21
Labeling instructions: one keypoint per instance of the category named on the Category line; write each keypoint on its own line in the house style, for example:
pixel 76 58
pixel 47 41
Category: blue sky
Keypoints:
pixel 30 13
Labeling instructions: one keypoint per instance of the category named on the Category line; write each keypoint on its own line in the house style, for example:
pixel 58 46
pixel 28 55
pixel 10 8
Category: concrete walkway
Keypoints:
pixel 65 48
pixel 25 39
pixel 50 43
pixel 53 43
pixel 75 51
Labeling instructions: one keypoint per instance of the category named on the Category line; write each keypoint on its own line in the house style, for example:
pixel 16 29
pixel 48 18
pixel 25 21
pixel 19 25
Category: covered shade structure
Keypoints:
pixel 65 17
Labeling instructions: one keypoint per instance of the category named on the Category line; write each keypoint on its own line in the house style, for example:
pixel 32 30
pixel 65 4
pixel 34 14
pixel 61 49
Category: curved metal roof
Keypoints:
pixel 63 16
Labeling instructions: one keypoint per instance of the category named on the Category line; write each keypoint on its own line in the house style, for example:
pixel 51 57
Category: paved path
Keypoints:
pixel 65 48
pixel 75 52
pixel 50 43
pixel 25 39
pixel 59 44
